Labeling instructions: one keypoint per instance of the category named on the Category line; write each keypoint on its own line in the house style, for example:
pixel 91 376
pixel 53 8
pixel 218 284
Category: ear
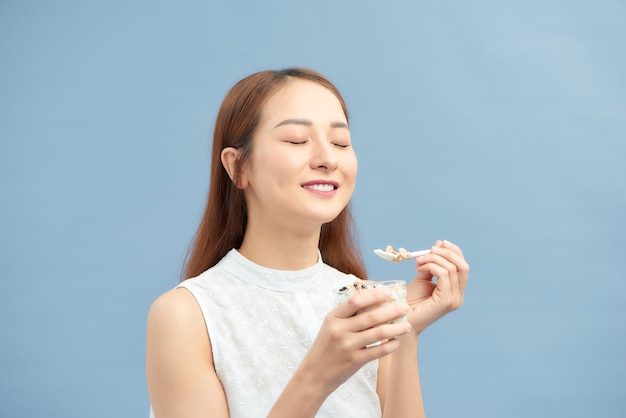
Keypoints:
pixel 230 160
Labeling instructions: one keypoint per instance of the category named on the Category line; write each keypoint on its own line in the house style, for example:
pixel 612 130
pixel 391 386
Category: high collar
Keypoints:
pixel 283 280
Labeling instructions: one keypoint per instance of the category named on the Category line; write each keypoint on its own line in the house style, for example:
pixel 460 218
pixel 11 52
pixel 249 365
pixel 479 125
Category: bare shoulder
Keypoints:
pixel 176 326
pixel 177 308
pixel 179 362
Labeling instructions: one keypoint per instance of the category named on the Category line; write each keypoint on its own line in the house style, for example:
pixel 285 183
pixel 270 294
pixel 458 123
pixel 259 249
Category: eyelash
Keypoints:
pixel 304 141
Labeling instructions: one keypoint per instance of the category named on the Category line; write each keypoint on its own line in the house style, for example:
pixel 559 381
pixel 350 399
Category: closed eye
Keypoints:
pixel 295 139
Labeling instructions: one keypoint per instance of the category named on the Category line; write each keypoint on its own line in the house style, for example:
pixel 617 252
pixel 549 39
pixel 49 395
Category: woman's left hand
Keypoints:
pixel 430 300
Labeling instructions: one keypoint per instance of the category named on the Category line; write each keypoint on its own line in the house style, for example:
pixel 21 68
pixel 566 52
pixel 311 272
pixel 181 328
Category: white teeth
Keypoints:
pixel 321 187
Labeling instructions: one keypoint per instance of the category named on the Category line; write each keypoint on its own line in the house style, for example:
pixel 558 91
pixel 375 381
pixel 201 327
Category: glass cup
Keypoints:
pixel 397 288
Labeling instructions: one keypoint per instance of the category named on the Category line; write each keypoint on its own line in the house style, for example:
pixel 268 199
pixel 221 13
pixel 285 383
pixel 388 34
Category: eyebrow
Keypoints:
pixel 307 122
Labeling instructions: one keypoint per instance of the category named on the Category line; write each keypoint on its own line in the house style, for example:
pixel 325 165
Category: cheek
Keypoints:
pixel 350 166
pixel 274 167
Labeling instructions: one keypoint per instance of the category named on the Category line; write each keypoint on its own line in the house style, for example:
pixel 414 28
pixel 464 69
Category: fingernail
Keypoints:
pixel 436 250
pixel 420 259
pixel 446 243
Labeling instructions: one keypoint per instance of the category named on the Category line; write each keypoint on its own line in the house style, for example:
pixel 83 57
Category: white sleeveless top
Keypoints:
pixel 261 323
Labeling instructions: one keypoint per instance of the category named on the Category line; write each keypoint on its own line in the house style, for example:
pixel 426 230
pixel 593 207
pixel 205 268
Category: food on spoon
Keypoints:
pixel 399 255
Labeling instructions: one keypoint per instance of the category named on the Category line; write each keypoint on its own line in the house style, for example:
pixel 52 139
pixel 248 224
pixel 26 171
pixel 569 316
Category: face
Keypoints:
pixel 302 170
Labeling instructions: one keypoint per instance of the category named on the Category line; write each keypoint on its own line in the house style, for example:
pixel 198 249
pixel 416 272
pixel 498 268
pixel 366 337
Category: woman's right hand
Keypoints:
pixel 344 342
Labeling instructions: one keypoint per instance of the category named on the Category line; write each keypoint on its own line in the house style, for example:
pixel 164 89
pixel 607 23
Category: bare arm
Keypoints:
pixel 179 360
pixel 399 385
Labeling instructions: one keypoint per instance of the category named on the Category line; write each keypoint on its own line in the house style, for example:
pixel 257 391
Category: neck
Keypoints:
pixel 280 248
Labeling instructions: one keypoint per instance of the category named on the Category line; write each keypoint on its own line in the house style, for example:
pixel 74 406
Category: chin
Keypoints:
pixel 319 217
pixel 328 218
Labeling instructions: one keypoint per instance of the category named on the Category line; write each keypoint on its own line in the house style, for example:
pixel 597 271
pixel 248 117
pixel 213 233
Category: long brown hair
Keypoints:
pixel 224 221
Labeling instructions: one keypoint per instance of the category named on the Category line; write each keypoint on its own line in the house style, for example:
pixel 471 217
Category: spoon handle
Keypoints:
pixel 419 253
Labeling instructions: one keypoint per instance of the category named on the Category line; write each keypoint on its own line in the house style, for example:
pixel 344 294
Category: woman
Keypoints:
pixel 253 331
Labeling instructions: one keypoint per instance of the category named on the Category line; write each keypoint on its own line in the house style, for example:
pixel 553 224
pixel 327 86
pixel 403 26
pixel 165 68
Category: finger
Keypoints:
pixel 450 255
pixel 459 260
pixel 452 246
pixel 450 250
pixel 382 333
pixel 362 300
pixel 448 288
pixel 367 354
pixel 453 257
pixel 453 254
pixel 444 291
pixel 439 260
pixel 450 260
pixel 440 256
pixel 377 315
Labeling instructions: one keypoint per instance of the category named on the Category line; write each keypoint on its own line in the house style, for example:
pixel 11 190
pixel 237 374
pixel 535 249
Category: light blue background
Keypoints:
pixel 500 125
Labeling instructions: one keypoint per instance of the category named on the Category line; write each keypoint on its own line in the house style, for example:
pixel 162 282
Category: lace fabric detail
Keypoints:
pixel 262 322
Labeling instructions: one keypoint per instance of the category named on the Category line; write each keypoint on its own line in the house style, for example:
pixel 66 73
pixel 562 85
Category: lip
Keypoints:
pixel 327 193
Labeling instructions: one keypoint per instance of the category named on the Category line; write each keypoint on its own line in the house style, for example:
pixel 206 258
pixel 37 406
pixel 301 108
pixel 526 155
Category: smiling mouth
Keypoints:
pixel 320 187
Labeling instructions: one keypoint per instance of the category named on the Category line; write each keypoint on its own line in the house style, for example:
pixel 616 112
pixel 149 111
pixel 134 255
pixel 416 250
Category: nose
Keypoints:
pixel 324 157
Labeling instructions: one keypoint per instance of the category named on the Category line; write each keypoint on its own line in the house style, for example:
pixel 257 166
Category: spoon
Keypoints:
pixel 394 258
